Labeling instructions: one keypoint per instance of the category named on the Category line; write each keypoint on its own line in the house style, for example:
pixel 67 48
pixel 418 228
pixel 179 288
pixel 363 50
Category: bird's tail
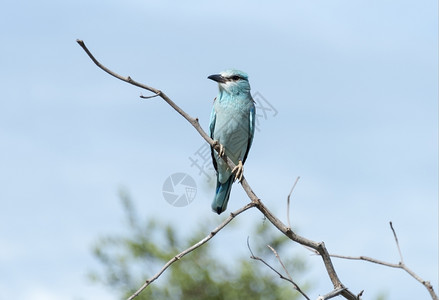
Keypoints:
pixel 222 195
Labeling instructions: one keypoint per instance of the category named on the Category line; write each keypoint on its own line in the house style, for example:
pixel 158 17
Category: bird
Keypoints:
pixel 232 125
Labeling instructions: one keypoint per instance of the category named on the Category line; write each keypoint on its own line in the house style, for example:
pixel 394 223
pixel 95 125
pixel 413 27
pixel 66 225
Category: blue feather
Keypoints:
pixel 222 195
pixel 232 124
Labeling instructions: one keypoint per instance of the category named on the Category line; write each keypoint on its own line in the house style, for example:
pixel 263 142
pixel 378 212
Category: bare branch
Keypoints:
pixel 397 243
pixel 400 265
pixel 289 279
pixel 192 248
pixel 318 247
pixel 280 261
pixel 193 121
pixel 126 79
pixel 149 97
pixel 288 201
pixel 427 284
pixel 332 294
pixel 366 258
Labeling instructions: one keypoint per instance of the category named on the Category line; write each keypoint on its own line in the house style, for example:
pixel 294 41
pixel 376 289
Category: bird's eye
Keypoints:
pixel 236 77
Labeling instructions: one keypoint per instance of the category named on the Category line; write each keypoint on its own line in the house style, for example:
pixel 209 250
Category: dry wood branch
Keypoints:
pixel 332 294
pixel 280 261
pixel 288 201
pixel 289 279
pixel 149 97
pixel 400 265
pixel 397 243
pixel 318 247
pixel 192 248
pixel 128 79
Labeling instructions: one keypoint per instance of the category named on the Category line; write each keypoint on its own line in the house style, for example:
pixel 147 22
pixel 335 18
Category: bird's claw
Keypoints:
pixel 221 150
pixel 239 169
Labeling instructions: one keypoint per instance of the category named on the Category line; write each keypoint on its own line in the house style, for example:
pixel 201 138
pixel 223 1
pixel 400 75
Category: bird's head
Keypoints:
pixel 231 81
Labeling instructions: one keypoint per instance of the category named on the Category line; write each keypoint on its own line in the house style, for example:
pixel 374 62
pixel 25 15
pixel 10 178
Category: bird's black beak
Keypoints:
pixel 218 78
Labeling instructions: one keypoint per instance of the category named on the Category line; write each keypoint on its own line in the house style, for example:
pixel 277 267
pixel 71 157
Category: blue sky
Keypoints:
pixel 354 84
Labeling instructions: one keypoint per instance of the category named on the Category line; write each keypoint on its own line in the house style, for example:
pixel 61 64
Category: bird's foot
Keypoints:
pixel 239 169
pixel 221 150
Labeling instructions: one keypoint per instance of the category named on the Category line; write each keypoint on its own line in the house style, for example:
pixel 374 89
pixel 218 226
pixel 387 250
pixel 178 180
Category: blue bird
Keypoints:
pixel 232 124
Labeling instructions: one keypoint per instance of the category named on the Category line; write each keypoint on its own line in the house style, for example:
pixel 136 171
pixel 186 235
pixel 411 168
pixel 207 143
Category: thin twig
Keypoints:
pixel 289 279
pixel 331 294
pixel 280 261
pixel 149 97
pixel 128 79
pixel 114 74
pixel 397 243
pixel 192 248
pixel 288 201
pixel 366 258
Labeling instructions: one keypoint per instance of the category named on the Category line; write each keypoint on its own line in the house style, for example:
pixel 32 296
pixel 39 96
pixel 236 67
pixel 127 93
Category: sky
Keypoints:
pixel 351 92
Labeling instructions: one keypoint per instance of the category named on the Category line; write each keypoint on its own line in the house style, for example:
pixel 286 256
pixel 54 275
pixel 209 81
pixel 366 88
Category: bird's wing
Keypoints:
pixel 251 131
pixel 211 129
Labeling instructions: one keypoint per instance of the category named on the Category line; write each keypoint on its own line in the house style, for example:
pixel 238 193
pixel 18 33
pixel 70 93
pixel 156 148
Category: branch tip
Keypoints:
pixel 288 201
pixel 397 243
pixel 148 97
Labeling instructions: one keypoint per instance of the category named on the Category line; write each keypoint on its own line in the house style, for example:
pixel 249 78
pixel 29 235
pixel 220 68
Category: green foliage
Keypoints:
pixel 381 296
pixel 128 261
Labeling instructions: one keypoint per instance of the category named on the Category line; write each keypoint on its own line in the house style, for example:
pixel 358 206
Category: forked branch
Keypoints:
pixel 289 278
pixel 192 248
pixel 400 265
